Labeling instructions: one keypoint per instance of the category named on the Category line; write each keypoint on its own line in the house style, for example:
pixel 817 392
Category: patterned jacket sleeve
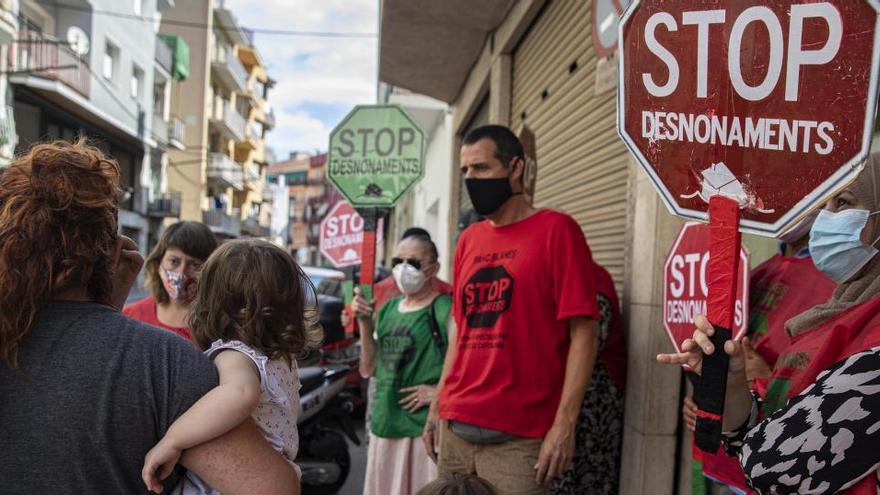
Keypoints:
pixel 823 440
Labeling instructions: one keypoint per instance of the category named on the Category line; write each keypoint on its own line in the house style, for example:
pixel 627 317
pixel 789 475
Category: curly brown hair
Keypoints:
pixel 58 209
pixel 193 238
pixel 252 291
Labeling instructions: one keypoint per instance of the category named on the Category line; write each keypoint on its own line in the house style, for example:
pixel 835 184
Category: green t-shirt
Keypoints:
pixel 406 355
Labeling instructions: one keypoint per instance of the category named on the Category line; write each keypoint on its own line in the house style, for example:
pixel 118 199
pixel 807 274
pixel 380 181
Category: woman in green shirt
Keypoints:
pixel 403 348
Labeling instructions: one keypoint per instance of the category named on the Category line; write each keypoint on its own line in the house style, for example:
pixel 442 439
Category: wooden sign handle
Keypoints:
pixel 722 279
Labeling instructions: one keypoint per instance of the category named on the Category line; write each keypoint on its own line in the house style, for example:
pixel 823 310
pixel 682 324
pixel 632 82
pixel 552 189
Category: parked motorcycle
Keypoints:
pixel 341 348
pixel 324 422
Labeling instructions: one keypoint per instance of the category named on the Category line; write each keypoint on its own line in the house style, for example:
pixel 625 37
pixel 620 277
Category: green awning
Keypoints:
pixel 180 59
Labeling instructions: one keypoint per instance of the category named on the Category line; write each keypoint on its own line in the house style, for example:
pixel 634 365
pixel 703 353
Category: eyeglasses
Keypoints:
pixel 417 264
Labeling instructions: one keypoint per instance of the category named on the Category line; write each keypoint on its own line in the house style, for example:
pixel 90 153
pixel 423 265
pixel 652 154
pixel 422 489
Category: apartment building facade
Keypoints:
pixel 310 198
pixel 222 173
pixel 98 69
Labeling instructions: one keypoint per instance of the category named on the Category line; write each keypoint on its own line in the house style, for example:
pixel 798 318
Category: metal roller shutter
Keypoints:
pixel 582 165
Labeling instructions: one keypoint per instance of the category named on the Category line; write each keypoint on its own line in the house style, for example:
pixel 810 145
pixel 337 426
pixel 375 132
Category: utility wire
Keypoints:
pixel 201 25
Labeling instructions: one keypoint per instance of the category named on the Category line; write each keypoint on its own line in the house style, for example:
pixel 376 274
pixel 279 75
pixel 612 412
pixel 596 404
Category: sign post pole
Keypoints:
pixel 368 251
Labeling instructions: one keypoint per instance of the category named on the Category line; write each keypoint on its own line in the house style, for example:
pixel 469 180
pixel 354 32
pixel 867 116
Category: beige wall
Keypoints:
pixel 190 100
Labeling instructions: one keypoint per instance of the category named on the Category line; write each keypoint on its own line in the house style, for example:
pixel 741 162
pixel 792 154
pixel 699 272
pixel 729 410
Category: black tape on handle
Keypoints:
pixel 709 393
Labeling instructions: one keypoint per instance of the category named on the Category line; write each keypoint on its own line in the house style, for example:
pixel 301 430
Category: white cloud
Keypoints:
pixel 313 70
pixel 301 132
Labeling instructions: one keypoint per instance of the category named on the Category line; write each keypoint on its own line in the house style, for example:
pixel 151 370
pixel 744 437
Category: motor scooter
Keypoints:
pixel 324 422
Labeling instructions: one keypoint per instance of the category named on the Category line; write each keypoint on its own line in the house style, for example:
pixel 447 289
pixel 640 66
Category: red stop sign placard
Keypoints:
pixel 342 235
pixel 685 288
pixel 782 92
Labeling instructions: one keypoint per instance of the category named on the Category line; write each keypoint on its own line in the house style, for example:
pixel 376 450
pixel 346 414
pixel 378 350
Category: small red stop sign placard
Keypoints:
pixel 685 288
pixel 342 235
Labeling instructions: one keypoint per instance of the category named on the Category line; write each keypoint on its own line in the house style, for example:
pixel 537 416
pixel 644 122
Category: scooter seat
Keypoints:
pixel 310 378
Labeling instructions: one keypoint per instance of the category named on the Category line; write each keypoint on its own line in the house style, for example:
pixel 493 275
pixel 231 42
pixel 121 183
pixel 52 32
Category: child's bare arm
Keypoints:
pixel 217 412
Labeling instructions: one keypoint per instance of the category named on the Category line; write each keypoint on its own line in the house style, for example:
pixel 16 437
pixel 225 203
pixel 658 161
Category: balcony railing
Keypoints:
pixel 269 121
pixel 229 121
pixel 164 55
pixel 222 223
pixel 166 205
pixel 225 171
pixel 229 69
pixel 7 127
pixel 253 173
pixel 177 132
pixel 50 59
pixel 269 194
pixel 251 226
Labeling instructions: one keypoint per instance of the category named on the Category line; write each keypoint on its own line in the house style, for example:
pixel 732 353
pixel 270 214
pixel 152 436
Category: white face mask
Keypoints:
pixel 409 278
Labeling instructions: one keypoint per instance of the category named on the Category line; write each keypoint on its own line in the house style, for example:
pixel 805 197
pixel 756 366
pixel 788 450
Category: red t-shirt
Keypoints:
pixel 145 311
pixel 779 289
pixel 516 287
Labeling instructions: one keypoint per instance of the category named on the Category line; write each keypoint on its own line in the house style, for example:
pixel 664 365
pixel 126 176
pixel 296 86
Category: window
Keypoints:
pixel 111 61
pixel 139 7
pixel 137 82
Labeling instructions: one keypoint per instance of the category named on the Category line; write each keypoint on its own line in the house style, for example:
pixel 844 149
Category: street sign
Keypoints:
pixel 771 100
pixel 376 154
pixel 342 235
pixel 686 286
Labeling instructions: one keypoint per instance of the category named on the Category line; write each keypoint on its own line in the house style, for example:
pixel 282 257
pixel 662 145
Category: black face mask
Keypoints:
pixel 487 195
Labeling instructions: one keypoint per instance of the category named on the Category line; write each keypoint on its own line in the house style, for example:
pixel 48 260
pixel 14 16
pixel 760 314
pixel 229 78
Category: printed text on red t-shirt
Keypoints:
pixel 485 297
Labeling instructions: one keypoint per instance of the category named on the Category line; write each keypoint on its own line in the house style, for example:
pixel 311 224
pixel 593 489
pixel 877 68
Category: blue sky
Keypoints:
pixel 319 79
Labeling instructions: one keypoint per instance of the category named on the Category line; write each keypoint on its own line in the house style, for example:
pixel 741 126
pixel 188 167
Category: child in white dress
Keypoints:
pixel 249 317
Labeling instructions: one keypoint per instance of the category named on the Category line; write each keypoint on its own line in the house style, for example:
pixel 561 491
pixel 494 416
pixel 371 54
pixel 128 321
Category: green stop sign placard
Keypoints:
pixel 376 154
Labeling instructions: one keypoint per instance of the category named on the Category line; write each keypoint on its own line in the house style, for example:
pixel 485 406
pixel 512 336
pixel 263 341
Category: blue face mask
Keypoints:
pixel 836 245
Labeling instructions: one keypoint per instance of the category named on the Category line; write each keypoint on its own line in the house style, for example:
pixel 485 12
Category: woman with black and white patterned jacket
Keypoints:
pixel 822 435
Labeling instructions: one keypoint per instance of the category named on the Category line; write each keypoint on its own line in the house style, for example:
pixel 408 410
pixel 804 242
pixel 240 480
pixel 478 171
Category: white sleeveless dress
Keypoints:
pixel 276 415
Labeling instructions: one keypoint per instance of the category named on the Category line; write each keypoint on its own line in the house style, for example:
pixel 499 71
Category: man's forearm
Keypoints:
pixel 578 369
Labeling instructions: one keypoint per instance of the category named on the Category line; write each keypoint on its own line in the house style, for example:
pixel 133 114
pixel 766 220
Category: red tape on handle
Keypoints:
pixel 368 258
pixel 711 387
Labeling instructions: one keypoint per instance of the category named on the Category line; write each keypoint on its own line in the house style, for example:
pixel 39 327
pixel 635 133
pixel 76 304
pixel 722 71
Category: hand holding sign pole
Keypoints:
pixel 376 154
pixel 753 137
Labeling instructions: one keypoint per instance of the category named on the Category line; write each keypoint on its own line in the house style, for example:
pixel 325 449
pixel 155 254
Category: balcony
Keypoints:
pixel 228 69
pixel 177 133
pixel 253 174
pixel 228 121
pixel 8 21
pixel 164 55
pixel 160 128
pixel 38 56
pixel 7 127
pixel 269 194
pixel 223 224
pixel 165 206
pixel 225 172
pixel 251 226
pixel 269 121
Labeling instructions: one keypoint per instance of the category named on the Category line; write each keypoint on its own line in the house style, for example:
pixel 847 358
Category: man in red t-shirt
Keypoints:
pixel 521 353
